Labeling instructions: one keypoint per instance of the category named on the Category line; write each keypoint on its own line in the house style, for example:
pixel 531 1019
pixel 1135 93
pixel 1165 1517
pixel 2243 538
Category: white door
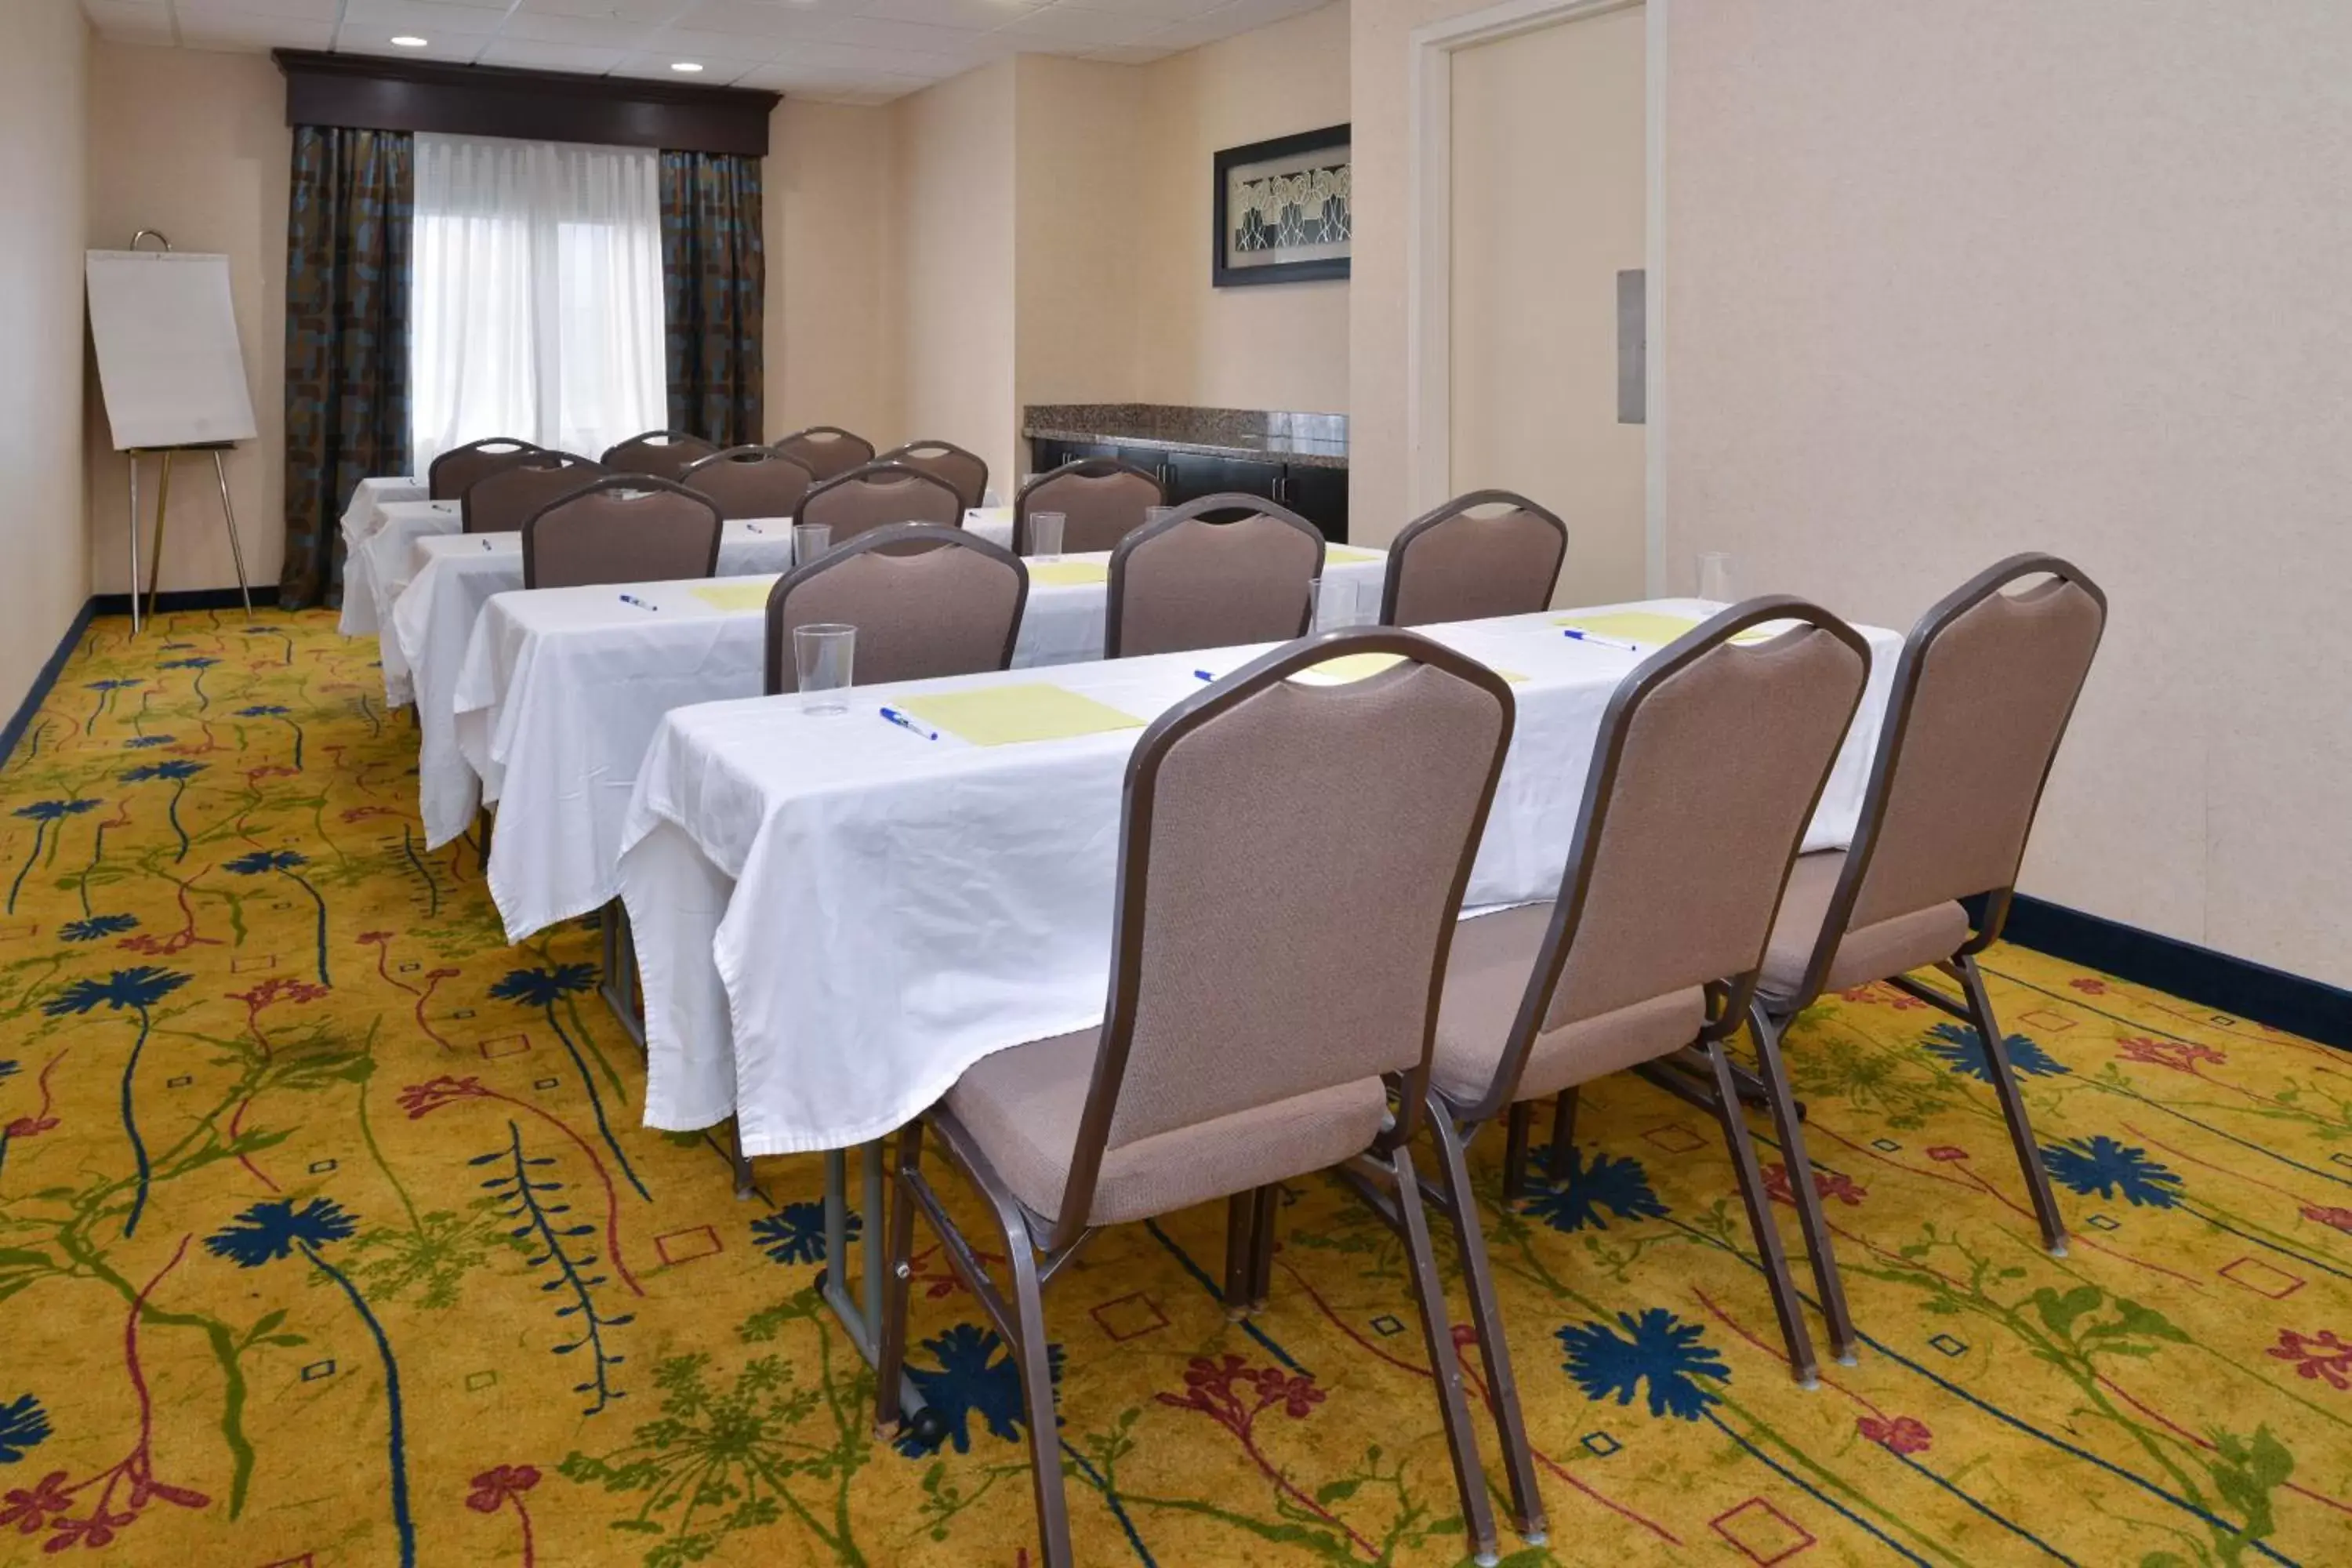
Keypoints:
pixel 1549 194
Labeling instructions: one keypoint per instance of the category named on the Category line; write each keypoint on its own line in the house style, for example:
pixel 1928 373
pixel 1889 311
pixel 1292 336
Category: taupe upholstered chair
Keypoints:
pixel 498 501
pixel 826 452
pixel 454 470
pixel 1490 553
pixel 1292 859
pixel 925 600
pixel 876 496
pixel 1101 499
pixel 662 453
pixel 1185 582
pixel 1709 760
pixel 750 482
pixel 964 472
pixel 623 527
pixel 1982 696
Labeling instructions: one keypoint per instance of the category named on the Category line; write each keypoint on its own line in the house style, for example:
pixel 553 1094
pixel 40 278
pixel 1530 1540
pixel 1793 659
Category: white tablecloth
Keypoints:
pixel 456 575
pixel 834 917
pixel 562 691
pixel 361 518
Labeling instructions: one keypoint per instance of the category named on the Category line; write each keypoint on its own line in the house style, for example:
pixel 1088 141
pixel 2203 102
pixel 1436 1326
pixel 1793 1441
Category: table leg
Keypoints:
pixel 620 965
pixel 861 1318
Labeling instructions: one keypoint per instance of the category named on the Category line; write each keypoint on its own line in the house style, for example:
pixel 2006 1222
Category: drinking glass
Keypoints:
pixel 810 540
pixel 1335 604
pixel 1046 534
pixel 1152 514
pixel 1714 576
pixel 822 655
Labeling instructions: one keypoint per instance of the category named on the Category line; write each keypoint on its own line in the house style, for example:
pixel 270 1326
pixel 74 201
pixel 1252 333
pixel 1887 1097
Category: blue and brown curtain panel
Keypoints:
pixel 346 338
pixel 714 274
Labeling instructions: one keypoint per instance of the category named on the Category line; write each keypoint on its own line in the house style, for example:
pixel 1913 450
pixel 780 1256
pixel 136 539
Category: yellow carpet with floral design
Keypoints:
pixel 328 1235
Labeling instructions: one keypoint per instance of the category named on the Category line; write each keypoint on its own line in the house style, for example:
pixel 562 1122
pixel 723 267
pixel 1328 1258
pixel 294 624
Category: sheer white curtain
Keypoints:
pixel 536 295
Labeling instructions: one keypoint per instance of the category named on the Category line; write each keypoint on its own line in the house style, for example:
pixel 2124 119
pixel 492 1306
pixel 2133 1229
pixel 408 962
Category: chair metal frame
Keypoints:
pixel 1771 1015
pixel 1223 501
pixel 1077 467
pixel 627 484
pixel 750 454
pixel 880 469
pixel 1401 547
pixel 906 452
pixel 896 537
pixel 1038 1249
pixel 481 448
pixel 777 446
pixel 654 441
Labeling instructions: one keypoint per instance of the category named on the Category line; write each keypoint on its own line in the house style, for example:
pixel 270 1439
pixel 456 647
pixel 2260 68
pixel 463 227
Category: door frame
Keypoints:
pixel 1429 261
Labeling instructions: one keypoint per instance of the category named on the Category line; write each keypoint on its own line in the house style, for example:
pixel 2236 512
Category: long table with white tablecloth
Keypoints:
pixel 835 916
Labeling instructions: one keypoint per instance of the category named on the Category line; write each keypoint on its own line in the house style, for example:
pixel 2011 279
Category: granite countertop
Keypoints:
pixel 1310 440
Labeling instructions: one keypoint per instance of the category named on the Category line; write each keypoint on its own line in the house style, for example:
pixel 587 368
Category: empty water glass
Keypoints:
pixel 1152 514
pixel 1046 534
pixel 810 540
pixel 1335 604
pixel 1714 576
pixel 822 656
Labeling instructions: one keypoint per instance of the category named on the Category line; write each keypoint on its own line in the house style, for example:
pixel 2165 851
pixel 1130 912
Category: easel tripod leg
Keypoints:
pixel 155 556
pixel 134 543
pixel 235 549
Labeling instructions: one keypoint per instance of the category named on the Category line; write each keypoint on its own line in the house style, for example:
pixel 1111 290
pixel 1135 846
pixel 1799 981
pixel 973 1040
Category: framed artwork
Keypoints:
pixel 1284 213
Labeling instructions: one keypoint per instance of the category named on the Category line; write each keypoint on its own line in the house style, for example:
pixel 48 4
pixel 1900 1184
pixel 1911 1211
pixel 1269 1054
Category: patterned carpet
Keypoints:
pixel 327 1236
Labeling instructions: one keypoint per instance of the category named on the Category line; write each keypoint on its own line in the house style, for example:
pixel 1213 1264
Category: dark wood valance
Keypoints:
pixel 372 94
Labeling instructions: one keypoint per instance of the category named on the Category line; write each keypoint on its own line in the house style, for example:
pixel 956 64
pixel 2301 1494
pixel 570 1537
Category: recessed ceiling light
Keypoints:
pixel 688 66
pixel 410 41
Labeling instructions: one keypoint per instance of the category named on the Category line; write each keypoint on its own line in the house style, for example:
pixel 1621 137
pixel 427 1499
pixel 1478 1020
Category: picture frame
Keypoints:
pixel 1282 210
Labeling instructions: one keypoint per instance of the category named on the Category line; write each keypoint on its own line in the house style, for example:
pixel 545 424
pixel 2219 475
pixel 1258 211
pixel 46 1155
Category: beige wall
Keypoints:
pixel 44 76
pixel 1945 281
pixel 826 211
pixel 195 144
pixel 1078 128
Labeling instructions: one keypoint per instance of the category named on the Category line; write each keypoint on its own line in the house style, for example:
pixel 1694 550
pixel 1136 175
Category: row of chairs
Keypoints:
pixel 1290 990
pixel 813 456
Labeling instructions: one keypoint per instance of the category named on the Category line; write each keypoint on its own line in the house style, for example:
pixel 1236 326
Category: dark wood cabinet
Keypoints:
pixel 1316 493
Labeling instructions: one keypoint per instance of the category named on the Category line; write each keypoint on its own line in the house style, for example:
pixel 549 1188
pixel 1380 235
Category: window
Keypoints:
pixel 538 295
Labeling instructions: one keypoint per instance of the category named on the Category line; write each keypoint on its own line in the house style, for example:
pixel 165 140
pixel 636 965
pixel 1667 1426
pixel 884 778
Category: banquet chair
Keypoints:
pixel 622 527
pixel 925 600
pixel 662 453
pixel 964 472
pixel 1185 582
pixel 1490 553
pixel 449 475
pixel 826 452
pixel 750 482
pixel 878 495
pixel 1983 695
pixel 498 501
pixel 1101 499
pixel 1292 859
pixel 1708 762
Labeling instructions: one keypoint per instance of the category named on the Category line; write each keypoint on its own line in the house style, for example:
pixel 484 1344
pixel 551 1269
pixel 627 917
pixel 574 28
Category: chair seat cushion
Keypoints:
pixel 1023 1107
pixel 1485 977
pixel 1887 947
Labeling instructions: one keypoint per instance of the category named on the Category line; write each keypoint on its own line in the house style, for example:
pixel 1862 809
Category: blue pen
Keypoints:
pixel 1597 640
pixel 1203 675
pixel 486 542
pixel 752 526
pixel 904 723
pixel 633 599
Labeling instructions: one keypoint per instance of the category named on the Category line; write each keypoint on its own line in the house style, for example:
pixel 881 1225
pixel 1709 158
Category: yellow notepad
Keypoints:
pixel 1069 573
pixel 1002 514
pixel 750 593
pixel 1653 630
pixel 1009 715
pixel 1343 555
pixel 1357 666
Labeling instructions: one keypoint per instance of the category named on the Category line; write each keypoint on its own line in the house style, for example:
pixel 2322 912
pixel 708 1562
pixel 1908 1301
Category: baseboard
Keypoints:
pixel 22 718
pixel 2236 986
pixel 186 599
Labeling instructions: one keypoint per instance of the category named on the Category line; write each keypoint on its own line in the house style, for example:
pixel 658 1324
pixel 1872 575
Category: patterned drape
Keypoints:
pixel 714 276
pixel 347 285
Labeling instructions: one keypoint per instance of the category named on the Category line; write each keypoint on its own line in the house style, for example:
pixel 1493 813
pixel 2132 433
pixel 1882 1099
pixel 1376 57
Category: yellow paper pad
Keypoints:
pixel 1340 555
pixel 1356 666
pixel 1651 629
pixel 1002 514
pixel 1009 715
pixel 749 595
pixel 1069 573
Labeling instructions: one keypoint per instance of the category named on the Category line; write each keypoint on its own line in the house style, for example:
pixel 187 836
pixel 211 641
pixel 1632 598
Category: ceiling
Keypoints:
pixel 845 51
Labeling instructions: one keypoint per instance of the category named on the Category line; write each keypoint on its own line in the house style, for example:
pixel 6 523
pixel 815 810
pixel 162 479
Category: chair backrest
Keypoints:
pixel 964 472
pixel 925 600
pixel 499 501
pixel 1980 699
pixel 750 482
pixel 1292 862
pixel 1101 499
pixel 876 496
pixel 623 527
pixel 663 453
pixel 450 474
pixel 1710 759
pixel 1490 553
pixel 1185 582
pixel 826 452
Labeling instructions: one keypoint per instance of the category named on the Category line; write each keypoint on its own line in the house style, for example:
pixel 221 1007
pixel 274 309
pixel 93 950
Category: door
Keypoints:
pixel 1549 199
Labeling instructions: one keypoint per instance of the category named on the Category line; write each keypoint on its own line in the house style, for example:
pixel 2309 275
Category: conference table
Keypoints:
pixel 561 690
pixel 365 514
pixel 834 917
